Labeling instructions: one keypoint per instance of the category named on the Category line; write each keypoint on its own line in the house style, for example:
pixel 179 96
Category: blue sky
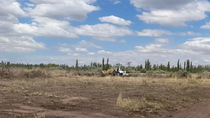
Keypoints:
pixel 52 31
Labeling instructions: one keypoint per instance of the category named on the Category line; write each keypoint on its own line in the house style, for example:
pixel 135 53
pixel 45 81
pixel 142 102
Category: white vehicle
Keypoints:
pixel 123 73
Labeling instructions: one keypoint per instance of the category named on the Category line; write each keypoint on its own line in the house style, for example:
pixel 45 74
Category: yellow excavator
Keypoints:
pixel 114 72
pixel 108 72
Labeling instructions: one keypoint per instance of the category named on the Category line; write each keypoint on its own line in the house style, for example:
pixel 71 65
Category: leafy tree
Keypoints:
pixel 77 67
pixel 188 65
pixel 107 64
pixel 191 66
pixel 147 64
pixel 168 66
pixel 103 68
pixel 154 67
pixel 178 65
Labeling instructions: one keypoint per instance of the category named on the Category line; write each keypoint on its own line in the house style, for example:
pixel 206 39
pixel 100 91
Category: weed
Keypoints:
pixel 137 105
pixel 40 115
pixel 195 81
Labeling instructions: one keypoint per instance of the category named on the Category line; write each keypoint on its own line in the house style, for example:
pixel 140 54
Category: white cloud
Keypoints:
pixel 45 27
pixel 11 7
pixel 82 46
pixel 21 44
pixel 154 32
pixel 63 9
pixel 165 4
pixel 116 2
pixel 122 41
pixel 91 53
pixel 103 31
pixel 152 48
pixel 76 54
pixel 103 52
pixel 206 26
pixel 159 49
pixel 189 33
pixel 195 49
pixel 172 13
pixel 111 39
pixel 161 40
pixel 29 4
pixel 160 32
pixel 9 19
pixel 86 44
pixel 81 50
pixel 201 44
pixel 62 49
pixel 115 20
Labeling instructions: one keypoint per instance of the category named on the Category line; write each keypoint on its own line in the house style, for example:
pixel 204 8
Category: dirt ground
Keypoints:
pixel 104 97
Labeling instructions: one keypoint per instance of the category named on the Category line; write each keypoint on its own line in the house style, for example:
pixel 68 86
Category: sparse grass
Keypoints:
pixel 41 93
pixel 40 115
pixel 141 104
pixel 141 93
pixel 195 81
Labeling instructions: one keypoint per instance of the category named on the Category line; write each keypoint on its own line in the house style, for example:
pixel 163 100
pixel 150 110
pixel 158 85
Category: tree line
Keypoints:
pixel 104 65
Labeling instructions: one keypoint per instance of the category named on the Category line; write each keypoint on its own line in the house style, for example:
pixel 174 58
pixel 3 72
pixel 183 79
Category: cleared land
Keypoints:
pixel 104 97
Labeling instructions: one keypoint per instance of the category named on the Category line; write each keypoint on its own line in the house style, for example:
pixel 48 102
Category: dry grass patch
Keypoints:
pixel 137 105
pixel 40 115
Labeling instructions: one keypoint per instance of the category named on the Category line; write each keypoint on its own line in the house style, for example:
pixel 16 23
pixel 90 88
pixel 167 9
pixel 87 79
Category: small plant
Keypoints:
pixel 183 74
pixel 195 81
pixel 137 105
pixel 40 115
pixel 206 74
pixel 35 74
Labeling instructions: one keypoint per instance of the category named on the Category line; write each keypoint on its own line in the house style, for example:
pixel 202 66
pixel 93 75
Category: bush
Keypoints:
pixel 143 71
pixel 5 73
pixel 36 73
pixel 183 74
pixel 205 74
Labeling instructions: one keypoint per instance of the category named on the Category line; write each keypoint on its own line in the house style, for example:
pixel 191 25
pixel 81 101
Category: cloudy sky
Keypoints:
pixel 61 31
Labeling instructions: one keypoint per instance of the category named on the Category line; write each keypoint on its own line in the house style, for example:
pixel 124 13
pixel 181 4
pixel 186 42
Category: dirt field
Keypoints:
pixel 104 97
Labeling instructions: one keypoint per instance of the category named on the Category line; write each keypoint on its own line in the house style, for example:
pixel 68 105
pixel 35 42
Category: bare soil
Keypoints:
pixel 96 98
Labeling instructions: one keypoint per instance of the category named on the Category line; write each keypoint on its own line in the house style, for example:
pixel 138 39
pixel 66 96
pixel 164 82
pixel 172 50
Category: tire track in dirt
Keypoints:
pixel 55 113
pixel 199 110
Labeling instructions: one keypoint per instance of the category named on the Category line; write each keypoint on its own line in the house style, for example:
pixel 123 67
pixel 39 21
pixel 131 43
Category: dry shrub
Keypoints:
pixel 23 73
pixel 6 73
pixel 183 74
pixel 40 115
pixel 205 75
pixel 85 73
pixel 137 105
pixel 37 74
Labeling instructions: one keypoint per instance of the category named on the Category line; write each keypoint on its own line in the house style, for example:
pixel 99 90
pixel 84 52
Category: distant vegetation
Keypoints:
pixel 187 66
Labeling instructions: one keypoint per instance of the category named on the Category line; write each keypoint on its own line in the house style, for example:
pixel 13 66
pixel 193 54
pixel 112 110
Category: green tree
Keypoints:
pixel 77 64
pixel 178 65
pixel 107 64
pixel 168 66
pixel 147 64
pixel 191 66
pixel 155 67
pixel 188 65
pixel 103 68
